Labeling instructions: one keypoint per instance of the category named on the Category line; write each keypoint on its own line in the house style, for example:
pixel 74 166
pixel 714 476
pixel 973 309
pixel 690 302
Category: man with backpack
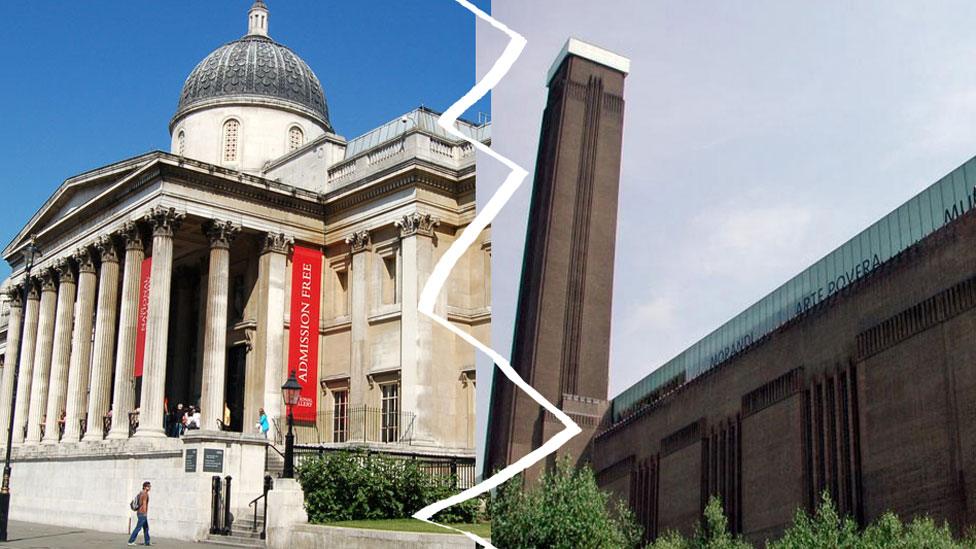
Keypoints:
pixel 140 504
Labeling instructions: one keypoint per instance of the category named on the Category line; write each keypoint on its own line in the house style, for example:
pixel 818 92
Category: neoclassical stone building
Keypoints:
pixel 193 276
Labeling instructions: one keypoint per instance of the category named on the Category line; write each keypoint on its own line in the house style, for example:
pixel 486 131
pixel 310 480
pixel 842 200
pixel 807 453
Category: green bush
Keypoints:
pixel 565 510
pixel 711 533
pixel 826 529
pixel 355 485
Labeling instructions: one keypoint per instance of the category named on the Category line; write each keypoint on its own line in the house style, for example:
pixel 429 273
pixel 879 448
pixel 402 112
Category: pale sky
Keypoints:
pixel 758 136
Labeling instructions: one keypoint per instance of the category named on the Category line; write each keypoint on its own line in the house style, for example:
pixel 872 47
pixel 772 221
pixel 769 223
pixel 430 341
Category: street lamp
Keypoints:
pixel 290 391
pixel 31 253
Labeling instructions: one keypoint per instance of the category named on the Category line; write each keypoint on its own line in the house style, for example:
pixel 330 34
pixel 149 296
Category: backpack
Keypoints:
pixel 134 504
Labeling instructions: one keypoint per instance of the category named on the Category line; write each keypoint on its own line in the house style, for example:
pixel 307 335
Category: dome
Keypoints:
pixel 255 70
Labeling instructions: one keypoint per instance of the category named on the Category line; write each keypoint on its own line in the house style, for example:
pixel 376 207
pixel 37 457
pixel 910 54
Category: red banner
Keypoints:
pixel 142 317
pixel 303 335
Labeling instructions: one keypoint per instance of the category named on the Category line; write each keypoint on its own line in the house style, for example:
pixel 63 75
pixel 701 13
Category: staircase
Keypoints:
pixel 274 464
pixel 241 532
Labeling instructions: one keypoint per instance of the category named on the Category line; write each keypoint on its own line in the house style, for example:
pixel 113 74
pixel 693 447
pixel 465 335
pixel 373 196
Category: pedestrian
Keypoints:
pixel 226 417
pixel 141 504
pixel 263 425
pixel 176 421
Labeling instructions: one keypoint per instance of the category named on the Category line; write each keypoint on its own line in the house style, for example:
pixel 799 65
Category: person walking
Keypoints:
pixel 142 512
pixel 263 424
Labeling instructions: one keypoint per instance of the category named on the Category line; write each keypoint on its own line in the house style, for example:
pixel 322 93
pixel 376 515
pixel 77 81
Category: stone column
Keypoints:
pixel 79 366
pixel 220 234
pixel 107 313
pixel 124 396
pixel 358 243
pixel 15 319
pixel 269 344
pixel 417 376
pixel 25 375
pixel 164 223
pixel 63 325
pixel 42 356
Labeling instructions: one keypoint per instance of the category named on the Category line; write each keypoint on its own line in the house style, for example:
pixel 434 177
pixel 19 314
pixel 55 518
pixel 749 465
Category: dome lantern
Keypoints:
pixel 257 19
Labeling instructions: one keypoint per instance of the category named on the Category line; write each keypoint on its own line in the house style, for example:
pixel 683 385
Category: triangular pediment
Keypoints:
pixel 75 193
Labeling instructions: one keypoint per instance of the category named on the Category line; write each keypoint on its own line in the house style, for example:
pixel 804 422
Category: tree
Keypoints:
pixel 565 509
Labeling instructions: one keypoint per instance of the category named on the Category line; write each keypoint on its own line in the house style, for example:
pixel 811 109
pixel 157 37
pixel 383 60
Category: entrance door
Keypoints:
pixel 234 388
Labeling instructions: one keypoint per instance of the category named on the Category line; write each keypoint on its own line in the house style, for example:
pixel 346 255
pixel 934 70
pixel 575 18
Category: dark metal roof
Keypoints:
pixel 255 67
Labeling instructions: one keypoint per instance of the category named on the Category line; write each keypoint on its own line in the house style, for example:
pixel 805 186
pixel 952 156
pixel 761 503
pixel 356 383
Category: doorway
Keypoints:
pixel 234 385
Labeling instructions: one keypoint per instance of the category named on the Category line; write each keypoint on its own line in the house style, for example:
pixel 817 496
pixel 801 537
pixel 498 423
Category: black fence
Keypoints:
pixel 357 424
pixel 461 469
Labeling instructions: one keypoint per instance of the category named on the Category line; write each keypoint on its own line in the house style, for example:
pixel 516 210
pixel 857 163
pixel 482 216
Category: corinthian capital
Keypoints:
pixel 164 221
pixel 416 223
pixel 220 233
pixel 15 295
pixel 85 259
pixel 47 280
pixel 358 241
pixel 277 243
pixel 131 233
pixel 108 251
pixel 65 274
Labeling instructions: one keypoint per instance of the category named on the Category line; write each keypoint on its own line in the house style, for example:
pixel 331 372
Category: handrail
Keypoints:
pixel 264 522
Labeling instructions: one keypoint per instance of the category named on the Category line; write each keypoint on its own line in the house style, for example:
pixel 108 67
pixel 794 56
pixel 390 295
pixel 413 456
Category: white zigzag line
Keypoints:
pixel 450 258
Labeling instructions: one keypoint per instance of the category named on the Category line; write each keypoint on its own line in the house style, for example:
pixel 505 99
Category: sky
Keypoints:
pixel 91 83
pixel 758 137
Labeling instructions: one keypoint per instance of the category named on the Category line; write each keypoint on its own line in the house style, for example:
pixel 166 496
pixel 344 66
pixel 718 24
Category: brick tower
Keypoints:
pixel 562 332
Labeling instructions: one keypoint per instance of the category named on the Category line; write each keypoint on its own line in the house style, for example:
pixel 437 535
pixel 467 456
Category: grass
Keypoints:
pixel 413 525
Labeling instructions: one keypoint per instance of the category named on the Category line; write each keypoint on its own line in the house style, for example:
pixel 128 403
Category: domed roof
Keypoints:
pixel 255 68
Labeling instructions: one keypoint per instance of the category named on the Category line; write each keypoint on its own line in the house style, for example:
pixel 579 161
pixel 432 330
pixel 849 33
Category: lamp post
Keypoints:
pixel 290 391
pixel 30 252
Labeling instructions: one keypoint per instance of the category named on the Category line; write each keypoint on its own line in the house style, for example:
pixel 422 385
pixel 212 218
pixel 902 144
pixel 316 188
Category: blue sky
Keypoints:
pixel 758 137
pixel 90 83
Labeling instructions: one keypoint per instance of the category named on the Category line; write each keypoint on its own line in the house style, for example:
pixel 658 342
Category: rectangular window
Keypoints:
pixel 391 412
pixel 340 415
pixel 389 280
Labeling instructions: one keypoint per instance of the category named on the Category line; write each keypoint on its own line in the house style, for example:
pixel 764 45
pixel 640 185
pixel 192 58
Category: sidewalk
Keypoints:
pixel 42 536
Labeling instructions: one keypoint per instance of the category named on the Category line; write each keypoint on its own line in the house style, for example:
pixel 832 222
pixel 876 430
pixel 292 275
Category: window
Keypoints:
pixel 389 280
pixel 181 143
pixel 391 412
pixel 232 130
pixel 295 138
pixel 340 415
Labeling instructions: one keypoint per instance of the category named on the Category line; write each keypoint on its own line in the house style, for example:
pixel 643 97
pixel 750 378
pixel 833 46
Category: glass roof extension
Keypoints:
pixel 931 209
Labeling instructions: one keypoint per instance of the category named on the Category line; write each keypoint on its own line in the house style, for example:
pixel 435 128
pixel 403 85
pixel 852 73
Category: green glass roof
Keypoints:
pixel 936 206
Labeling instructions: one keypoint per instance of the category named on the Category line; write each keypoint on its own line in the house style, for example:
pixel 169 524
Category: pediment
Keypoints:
pixel 75 193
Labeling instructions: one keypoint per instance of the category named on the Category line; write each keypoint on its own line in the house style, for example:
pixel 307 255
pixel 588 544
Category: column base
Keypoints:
pixel 92 437
pixel 149 432
pixel 118 434
pixel 46 441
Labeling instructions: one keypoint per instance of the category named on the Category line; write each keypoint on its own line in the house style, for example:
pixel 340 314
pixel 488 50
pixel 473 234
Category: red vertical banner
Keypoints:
pixel 142 317
pixel 303 334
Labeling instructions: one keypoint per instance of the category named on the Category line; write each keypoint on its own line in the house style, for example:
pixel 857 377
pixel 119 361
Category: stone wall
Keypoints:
pixel 90 485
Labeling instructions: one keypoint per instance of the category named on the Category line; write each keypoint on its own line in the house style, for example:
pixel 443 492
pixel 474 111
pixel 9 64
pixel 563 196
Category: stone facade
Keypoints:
pixel 221 236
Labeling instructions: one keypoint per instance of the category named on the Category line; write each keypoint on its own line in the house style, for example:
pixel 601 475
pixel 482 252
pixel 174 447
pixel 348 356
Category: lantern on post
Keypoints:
pixel 290 392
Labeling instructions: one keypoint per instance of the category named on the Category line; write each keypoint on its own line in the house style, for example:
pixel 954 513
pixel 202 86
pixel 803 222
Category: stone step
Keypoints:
pixel 234 541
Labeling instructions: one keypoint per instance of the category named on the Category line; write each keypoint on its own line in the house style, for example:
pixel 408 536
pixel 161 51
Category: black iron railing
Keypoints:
pixel 268 485
pixel 459 468
pixel 220 515
pixel 357 424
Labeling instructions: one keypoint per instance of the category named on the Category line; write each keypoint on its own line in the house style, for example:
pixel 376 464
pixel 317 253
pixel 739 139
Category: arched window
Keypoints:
pixel 181 143
pixel 296 138
pixel 232 129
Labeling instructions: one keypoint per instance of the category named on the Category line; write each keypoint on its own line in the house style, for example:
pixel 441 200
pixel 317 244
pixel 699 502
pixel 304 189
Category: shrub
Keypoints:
pixel 355 485
pixel 711 533
pixel 564 510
